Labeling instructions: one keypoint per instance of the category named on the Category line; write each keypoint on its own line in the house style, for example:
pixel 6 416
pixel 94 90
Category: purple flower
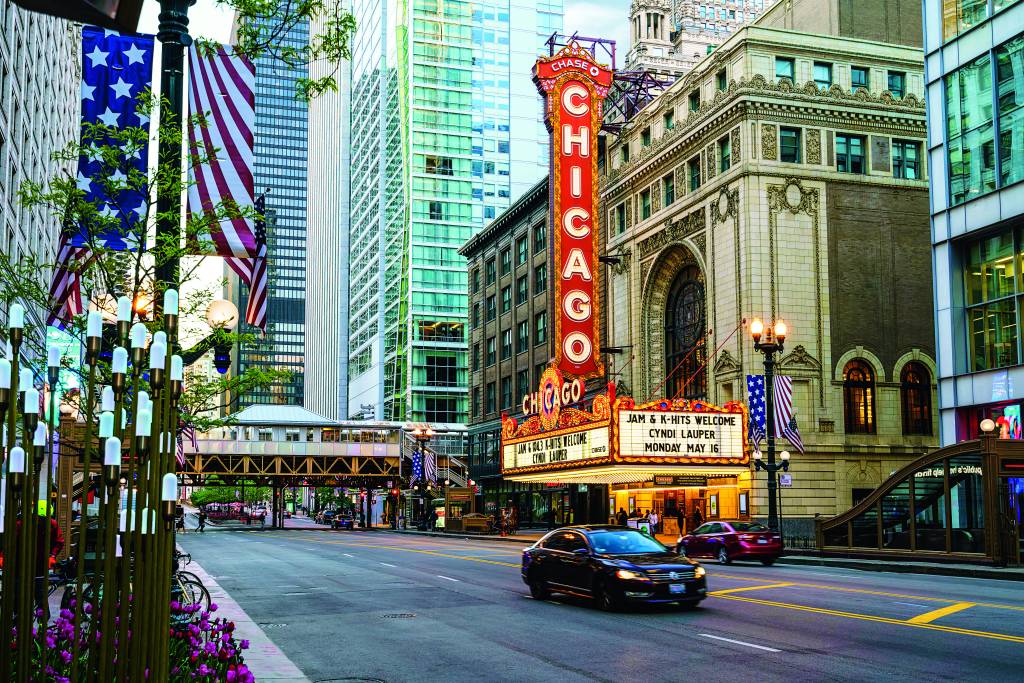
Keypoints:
pixel 66 656
pixel 245 644
pixel 213 607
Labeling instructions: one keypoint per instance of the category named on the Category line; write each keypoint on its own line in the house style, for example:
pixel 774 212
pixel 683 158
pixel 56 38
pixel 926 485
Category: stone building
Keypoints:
pixel 784 177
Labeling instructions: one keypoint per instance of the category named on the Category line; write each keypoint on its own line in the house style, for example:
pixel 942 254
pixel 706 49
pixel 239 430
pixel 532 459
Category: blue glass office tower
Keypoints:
pixel 280 158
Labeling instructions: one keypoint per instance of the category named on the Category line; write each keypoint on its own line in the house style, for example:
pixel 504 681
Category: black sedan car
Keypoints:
pixel 613 565
pixel 343 521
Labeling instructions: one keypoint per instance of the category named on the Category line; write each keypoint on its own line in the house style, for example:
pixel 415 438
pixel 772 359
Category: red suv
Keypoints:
pixel 728 541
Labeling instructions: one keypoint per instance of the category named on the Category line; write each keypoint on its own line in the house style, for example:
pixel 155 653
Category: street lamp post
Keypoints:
pixel 770 342
pixel 423 435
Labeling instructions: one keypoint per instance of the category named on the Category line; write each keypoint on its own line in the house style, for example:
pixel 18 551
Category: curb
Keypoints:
pixel 464 536
pixel 979 572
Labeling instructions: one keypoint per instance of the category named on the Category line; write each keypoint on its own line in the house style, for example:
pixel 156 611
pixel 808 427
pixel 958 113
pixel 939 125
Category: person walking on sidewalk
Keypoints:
pixel 654 522
pixel 621 517
pixel 202 520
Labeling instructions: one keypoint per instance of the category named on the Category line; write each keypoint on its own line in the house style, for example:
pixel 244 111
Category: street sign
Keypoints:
pixel 786 480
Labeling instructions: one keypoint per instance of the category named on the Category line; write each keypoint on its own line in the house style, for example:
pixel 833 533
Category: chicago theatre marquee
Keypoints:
pixel 672 456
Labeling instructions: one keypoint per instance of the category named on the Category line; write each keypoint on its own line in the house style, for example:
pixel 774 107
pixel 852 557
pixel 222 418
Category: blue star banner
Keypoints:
pixel 758 412
pixel 116 69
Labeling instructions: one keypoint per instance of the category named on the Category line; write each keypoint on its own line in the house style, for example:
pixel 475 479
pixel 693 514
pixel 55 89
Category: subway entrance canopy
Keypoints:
pixel 289 445
pixel 618 441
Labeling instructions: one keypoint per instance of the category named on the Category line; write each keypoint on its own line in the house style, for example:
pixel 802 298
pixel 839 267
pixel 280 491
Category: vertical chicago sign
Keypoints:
pixel 574 87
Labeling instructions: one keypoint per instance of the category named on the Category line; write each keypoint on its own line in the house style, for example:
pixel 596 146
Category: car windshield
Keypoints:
pixel 749 526
pixel 624 542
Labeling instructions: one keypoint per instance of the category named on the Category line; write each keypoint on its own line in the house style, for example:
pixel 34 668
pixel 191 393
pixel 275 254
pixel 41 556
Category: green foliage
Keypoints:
pixel 263 25
pixel 217 491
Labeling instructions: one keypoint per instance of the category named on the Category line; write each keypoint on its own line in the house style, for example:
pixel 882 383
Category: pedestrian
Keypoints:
pixel 202 520
pixel 179 521
pixel 654 522
pixel 513 521
pixel 621 517
pixel 681 520
pixel 698 517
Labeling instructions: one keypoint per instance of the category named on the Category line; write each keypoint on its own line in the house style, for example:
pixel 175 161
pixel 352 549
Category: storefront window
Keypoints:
pixel 896 518
pixel 930 507
pixel 967 504
pixel 992 271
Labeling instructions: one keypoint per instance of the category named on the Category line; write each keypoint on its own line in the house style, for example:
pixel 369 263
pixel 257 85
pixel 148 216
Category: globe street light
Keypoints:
pixel 770 341
pixel 423 435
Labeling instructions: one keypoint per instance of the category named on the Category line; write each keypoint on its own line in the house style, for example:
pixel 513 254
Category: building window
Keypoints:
pixel 724 155
pixel 850 153
pixel 693 170
pixel 991 275
pixel 491 272
pixel 522 290
pixel 669 119
pixel 823 75
pixel 620 218
pixel 860 78
pixel 506 298
pixel 436 211
pixel 722 80
pixel 624 150
pixel 506 344
pixel 506 261
pixel 539 238
pixel 476 356
pixel 491 407
pixel 476 280
pixel 476 402
pixel 523 336
pixel 540 328
pixel 441 409
pixel 1010 76
pixel 506 393
pixel 905 159
pixel 789 145
pixel 916 396
pixel 490 352
pixel 694 100
pixel 785 68
pixel 439 165
pixel 476 314
pixel 522 251
pixel 645 137
pixel 970 130
pixel 685 352
pixel 540 279
pixel 668 189
pixel 523 382
pixel 645 204
pixel 539 372
pixel 897 84
pixel 441 371
pixel 859 398
pixel 492 308
pixel 961 15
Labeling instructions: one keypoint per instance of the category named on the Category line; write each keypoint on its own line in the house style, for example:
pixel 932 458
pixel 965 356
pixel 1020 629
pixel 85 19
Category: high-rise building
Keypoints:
pixel 446 129
pixel 327 229
pixel 40 67
pixel 974 61
pixel 280 152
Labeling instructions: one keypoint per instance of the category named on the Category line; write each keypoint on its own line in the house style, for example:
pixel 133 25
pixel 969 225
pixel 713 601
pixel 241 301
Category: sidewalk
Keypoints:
pixel 264 659
pixel 935 568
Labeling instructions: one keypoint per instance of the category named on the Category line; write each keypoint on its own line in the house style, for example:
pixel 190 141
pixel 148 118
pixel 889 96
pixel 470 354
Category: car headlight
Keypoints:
pixel 627 574
pixel 699 572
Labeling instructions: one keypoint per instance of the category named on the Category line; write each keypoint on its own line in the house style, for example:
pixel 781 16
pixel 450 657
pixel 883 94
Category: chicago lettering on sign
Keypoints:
pixel 574 87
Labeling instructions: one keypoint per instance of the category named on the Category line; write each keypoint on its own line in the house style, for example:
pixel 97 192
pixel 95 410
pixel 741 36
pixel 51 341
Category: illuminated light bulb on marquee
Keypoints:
pixel 574 87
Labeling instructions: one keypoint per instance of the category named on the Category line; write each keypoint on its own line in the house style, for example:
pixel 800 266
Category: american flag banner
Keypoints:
pixel 116 69
pixel 66 282
pixel 758 414
pixel 222 99
pixel 430 467
pixel 417 467
pixel 785 413
pixel 185 429
pixel 253 271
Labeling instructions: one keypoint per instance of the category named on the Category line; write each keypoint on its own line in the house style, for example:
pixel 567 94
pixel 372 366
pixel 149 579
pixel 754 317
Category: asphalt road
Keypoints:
pixel 380 606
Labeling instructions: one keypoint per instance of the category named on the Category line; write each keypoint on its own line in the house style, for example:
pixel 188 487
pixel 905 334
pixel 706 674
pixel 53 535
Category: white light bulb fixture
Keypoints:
pixel 138 336
pixel 39 438
pixel 16 317
pixel 5 373
pixel 107 399
pixel 112 452
pixel 53 357
pixel 106 424
pixel 124 309
pixel 94 324
pixel 119 362
pixel 171 302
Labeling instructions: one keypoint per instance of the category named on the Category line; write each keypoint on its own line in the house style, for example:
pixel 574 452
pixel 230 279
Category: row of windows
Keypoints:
pixel 522 256
pixel 860 76
pixel 978 115
pixel 490 404
pixel 860 405
pixel 522 341
pixel 961 15
pixel 540 283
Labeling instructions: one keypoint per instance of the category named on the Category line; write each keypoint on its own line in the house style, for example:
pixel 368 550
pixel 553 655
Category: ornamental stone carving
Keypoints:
pixel 625 257
pixel 709 161
pixel 655 198
pixel 675 231
pixel 735 146
pixel 726 363
pixel 813 145
pixel 680 180
pixel 769 142
pixel 726 206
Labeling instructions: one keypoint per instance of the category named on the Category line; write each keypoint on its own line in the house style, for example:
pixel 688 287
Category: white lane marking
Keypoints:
pixel 447 578
pixel 347 555
pixel 288 585
pixel 739 642
pixel 319 588
pixel 387 565
pixel 912 604
pixel 294 593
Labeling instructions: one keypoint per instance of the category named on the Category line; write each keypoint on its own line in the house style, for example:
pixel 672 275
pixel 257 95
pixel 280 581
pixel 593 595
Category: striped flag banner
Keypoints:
pixel 430 467
pixel 222 96
pixel 254 271
pixel 785 413
pixel 66 283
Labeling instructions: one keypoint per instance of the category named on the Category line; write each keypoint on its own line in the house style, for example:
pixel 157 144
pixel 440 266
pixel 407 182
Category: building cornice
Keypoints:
pixel 524 204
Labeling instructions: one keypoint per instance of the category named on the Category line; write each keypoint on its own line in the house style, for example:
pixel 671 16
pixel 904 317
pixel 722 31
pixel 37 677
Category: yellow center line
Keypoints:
pixel 414 550
pixel 929 617
pixel 881 620
pixel 749 588
pixel 864 591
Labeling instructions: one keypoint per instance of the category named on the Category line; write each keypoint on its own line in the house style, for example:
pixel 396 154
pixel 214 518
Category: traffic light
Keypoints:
pixel 394 492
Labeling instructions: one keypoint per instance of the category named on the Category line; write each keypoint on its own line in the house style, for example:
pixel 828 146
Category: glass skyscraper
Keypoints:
pixel 446 131
pixel 280 152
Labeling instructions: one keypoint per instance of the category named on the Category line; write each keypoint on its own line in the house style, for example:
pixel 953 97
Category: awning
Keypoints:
pixel 621 474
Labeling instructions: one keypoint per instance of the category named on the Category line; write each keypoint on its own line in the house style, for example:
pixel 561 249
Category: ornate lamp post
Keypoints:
pixel 770 342
pixel 423 435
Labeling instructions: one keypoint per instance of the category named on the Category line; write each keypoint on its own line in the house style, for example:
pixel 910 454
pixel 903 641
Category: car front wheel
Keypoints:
pixel 538 589
pixel 723 556
pixel 768 562
pixel 609 599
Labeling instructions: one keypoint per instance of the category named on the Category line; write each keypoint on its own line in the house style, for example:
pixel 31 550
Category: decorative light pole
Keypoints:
pixel 770 342
pixel 423 435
